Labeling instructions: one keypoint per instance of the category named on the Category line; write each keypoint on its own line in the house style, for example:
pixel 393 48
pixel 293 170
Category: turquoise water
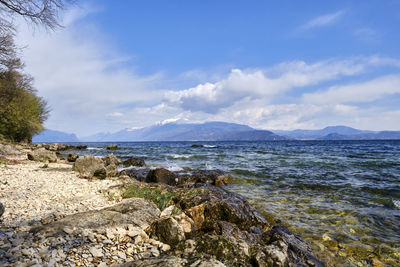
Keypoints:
pixel 341 196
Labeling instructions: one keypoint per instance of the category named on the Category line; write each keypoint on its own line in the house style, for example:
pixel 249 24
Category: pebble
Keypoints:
pixel 31 200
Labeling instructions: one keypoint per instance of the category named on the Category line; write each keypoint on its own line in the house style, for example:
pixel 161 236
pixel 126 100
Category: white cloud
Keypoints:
pixel 269 83
pixel 81 77
pixel 324 20
pixel 359 92
pixel 115 114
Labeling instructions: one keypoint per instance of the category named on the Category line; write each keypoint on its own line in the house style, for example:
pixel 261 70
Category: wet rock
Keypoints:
pixel 212 177
pixel 282 243
pixel 135 211
pixel 112 147
pixel 134 161
pixel 42 155
pixel 138 174
pixel 161 175
pixel 72 157
pixel 81 147
pixel 90 166
pixel 209 205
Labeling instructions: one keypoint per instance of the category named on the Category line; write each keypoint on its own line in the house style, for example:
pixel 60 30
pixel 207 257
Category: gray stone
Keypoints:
pixel 96 252
pixel 90 166
pixel 42 155
pixel 136 211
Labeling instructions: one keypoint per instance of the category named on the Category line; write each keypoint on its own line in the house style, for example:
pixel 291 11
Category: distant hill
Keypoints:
pixel 51 136
pixel 216 131
pixel 209 131
pixel 339 133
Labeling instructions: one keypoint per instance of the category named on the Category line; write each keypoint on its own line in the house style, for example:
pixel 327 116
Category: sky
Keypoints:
pixel 267 64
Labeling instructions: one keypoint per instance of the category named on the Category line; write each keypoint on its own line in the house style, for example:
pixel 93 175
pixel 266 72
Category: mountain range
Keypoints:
pixel 51 136
pixel 217 131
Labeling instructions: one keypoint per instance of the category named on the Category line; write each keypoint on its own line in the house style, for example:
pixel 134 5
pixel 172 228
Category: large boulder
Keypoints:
pixel 8 150
pixel 42 155
pixel 111 163
pixel 161 175
pixel 134 161
pixel 209 205
pixel 90 166
pixel 136 211
pixel 111 159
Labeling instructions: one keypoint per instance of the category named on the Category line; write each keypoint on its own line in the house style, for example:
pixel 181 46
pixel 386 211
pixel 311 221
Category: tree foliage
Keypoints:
pixel 22 112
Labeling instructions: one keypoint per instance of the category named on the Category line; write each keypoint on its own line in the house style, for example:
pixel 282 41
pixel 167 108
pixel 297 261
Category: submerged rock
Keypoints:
pixel 112 147
pixel 42 155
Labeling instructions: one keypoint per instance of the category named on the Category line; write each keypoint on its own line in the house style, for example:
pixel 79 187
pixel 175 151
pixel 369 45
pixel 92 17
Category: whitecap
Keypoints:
pixel 177 156
pixel 210 146
pixel 396 203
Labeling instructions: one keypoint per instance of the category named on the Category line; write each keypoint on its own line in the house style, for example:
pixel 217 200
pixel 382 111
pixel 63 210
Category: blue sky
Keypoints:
pixel 268 64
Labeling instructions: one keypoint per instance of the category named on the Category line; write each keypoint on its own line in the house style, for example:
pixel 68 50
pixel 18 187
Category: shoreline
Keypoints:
pixel 204 226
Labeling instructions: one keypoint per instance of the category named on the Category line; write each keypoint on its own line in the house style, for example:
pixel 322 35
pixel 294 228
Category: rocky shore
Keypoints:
pixel 65 210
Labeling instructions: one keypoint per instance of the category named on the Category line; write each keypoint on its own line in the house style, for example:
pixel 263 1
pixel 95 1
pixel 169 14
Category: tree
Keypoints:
pixel 22 112
pixel 39 12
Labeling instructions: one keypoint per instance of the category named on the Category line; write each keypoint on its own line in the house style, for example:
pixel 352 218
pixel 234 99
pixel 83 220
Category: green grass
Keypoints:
pixel 161 198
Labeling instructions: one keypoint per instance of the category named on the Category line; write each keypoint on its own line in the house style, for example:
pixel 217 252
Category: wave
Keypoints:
pixel 396 203
pixel 94 148
pixel 178 156
pixel 187 156
pixel 205 146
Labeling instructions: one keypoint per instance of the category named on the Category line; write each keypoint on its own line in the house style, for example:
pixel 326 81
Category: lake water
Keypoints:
pixel 341 196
